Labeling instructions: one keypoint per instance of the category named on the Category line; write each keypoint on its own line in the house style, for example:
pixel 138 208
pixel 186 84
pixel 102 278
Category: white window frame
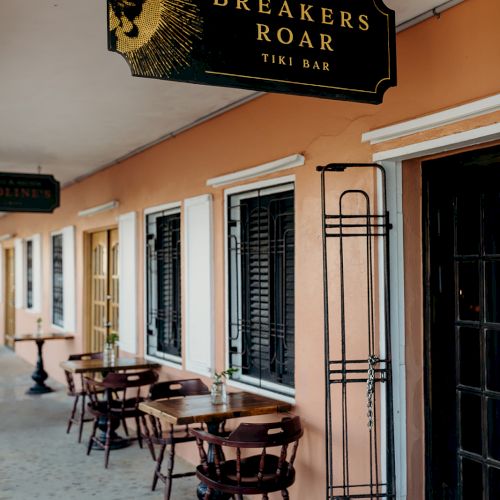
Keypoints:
pixel 69 279
pixel 242 381
pixel 36 271
pixel 168 359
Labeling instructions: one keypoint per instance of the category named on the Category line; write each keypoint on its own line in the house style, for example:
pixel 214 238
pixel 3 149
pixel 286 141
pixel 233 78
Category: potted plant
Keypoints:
pixel 111 346
pixel 218 391
pixel 39 326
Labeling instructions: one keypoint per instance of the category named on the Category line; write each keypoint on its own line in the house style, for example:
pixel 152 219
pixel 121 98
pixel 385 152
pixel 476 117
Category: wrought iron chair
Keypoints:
pixel 77 391
pixel 166 435
pixel 121 401
pixel 257 474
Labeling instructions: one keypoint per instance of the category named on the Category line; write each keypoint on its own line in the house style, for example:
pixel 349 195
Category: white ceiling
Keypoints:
pixel 70 106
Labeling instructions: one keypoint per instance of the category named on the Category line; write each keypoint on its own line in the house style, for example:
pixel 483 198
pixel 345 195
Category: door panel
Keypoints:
pixel 462 271
pixel 10 297
pixel 103 279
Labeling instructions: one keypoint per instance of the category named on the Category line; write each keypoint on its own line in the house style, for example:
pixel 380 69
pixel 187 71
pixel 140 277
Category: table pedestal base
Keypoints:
pixel 116 441
pixel 39 375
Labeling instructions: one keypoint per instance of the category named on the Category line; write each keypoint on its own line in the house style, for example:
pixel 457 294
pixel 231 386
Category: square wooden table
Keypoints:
pixel 200 409
pixel 40 375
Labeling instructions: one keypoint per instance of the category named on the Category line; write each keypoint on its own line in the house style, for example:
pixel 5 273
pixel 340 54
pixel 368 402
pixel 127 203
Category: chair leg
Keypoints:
pixel 139 436
pixel 170 470
pixel 72 417
pixel 284 494
pixel 91 440
pixel 159 461
pixel 82 419
pixel 265 497
pixel 125 428
pixel 147 437
pixel 107 444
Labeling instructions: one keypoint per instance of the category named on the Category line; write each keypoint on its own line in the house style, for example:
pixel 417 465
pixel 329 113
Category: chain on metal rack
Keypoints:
pixel 370 388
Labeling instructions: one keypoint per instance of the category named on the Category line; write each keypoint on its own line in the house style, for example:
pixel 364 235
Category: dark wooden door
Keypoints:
pixel 462 345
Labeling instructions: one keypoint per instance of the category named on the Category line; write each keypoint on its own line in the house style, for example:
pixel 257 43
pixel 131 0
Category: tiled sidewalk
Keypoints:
pixel 38 460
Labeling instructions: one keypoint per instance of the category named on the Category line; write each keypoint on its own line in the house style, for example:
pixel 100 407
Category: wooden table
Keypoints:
pixel 40 375
pixel 101 366
pixel 200 409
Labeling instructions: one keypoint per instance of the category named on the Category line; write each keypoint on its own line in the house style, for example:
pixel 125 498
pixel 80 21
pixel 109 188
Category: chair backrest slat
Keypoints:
pixel 178 388
pixel 257 436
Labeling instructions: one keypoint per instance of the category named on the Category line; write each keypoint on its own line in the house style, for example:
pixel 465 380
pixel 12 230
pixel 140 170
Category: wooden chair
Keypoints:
pixel 257 474
pixel 121 401
pixel 167 435
pixel 77 391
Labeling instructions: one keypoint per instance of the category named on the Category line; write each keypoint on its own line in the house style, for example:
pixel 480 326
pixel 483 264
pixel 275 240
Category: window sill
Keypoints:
pixel 261 392
pixel 165 362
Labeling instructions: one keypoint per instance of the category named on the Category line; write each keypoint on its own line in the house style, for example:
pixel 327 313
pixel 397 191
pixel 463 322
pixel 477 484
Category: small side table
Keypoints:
pixel 40 375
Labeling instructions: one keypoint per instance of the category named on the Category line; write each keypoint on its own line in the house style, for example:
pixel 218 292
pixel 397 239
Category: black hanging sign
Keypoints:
pixel 28 193
pixel 336 49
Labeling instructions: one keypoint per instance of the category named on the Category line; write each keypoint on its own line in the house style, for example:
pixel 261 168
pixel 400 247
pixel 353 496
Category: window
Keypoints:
pixel 163 261
pixel 261 247
pixel 57 280
pixel 29 274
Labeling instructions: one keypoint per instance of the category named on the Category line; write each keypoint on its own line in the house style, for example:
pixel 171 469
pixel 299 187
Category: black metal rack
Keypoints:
pixel 363 232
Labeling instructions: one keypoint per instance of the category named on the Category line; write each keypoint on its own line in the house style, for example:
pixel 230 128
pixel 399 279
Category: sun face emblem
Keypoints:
pixel 155 36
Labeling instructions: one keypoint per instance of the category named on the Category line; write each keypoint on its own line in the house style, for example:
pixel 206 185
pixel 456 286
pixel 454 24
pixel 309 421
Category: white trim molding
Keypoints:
pixel 434 120
pixel 271 167
pixel 445 143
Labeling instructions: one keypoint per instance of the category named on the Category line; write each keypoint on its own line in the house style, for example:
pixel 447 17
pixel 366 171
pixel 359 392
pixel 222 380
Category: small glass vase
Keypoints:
pixel 110 353
pixel 39 329
pixel 218 393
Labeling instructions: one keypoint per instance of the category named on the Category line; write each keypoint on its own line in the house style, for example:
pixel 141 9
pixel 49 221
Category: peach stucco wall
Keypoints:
pixel 441 63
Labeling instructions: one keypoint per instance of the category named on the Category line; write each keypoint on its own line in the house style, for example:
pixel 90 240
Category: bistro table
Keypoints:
pixel 104 367
pixel 200 409
pixel 40 375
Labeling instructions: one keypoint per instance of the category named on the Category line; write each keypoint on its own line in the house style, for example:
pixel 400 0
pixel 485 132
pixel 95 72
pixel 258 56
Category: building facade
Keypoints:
pixel 212 256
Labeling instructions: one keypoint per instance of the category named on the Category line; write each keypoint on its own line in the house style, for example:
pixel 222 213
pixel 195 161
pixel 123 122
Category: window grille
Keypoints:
pixel 261 248
pixel 164 285
pixel 57 280
pixel 29 274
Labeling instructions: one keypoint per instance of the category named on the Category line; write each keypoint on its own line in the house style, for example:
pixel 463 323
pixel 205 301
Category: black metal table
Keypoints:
pixel 40 375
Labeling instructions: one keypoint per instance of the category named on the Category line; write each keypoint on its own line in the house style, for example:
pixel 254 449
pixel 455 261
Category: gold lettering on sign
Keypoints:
pixel 305 40
pixel 326 15
pixel 326 41
pixel 242 4
pixel 262 31
pixel 345 19
pixel 285 9
pixel 281 39
pixel 304 12
pixel 363 23
pixel 264 7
